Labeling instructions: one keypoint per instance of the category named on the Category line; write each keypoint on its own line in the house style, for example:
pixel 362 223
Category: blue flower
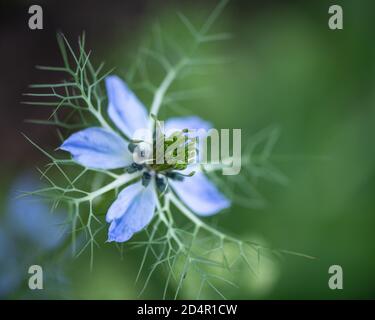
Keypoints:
pixel 28 230
pixel 30 219
pixel 100 148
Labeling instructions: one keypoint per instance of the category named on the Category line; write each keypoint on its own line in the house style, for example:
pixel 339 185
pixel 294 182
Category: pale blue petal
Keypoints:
pixel 6 247
pixel 190 122
pixel 30 219
pixel 131 213
pixel 123 201
pixel 10 275
pixel 124 108
pixel 200 194
pixel 98 148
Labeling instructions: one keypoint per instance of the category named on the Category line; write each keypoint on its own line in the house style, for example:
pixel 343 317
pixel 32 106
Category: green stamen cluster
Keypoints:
pixel 166 168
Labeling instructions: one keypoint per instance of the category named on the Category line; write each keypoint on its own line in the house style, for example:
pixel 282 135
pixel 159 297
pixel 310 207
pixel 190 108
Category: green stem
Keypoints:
pixel 169 224
pixel 199 223
pixel 121 180
pixel 161 91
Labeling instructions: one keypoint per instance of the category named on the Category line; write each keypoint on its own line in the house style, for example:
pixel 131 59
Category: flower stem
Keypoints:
pixel 118 182
pixel 199 223
pixel 161 91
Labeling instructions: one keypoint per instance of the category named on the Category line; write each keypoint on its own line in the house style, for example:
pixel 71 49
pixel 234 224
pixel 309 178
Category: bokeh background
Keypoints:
pixel 285 68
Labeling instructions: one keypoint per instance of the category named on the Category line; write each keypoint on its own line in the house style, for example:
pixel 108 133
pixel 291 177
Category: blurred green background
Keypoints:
pixel 283 67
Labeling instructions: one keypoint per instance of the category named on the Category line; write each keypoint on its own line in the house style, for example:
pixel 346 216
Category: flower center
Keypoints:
pixel 164 158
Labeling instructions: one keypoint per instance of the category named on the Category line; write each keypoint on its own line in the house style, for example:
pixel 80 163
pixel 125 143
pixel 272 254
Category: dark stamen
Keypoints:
pixel 134 167
pixel 131 147
pixel 175 176
pixel 161 183
pixel 146 178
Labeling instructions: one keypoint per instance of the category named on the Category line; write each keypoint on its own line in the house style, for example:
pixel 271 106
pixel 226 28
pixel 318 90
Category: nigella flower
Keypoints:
pixel 28 231
pixel 101 148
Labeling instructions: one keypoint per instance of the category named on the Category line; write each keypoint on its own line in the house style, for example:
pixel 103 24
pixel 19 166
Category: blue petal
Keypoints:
pixel 124 108
pixel 131 212
pixel 191 122
pixel 30 219
pixel 98 148
pixel 200 194
pixel 10 273
pixel 6 246
pixel 123 201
